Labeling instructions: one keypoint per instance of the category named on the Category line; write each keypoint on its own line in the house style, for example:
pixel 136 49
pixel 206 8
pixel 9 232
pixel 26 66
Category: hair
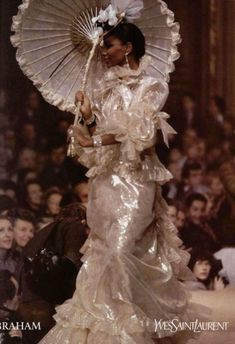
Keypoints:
pixel 6 217
pixel 21 214
pixel 7 287
pixel 75 211
pixel 128 32
pixel 194 197
pixel 6 203
pixel 190 166
pixel 199 254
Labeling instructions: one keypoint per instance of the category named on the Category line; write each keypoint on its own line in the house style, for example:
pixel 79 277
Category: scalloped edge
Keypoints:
pixel 59 101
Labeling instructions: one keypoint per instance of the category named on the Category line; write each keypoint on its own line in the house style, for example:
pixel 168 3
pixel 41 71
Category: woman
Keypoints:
pixel 131 258
pixel 8 260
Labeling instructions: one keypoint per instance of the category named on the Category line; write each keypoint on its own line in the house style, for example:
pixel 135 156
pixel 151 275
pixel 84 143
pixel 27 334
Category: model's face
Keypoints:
pixel 202 269
pixel 114 52
pixel 6 234
pixel 23 232
pixel 197 211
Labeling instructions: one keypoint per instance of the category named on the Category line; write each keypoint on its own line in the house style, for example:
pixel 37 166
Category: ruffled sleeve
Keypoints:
pixel 136 123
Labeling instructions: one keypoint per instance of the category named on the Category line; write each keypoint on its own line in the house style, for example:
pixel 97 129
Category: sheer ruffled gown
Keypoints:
pixel 132 263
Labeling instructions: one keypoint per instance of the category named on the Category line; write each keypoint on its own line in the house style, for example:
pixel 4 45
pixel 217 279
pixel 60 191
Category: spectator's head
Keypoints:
pixel 180 218
pixel 196 207
pixel 188 102
pixel 216 106
pixel 81 189
pixel 6 203
pixel 33 100
pixel 9 296
pixel 176 169
pixel 192 151
pixel 28 133
pixel 8 188
pixel 214 183
pixel 10 138
pixel 189 137
pixel 6 232
pixel 27 158
pixel 33 193
pixel 204 265
pixel 192 173
pixel 175 155
pixel 172 210
pixel 214 156
pixel 53 198
pixel 62 125
pixel 57 153
pixel 23 226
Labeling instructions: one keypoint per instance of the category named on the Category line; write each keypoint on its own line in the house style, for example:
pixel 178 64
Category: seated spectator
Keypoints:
pixel 6 203
pixel 192 179
pixel 172 210
pixel 8 188
pixel 81 189
pixel 216 194
pixel 28 136
pixel 8 259
pixel 69 235
pixel 9 303
pixel 24 227
pixel 196 231
pixel 26 159
pixel 188 116
pixel 55 172
pixel 205 268
pixel 180 217
pixel 52 199
pixel 32 198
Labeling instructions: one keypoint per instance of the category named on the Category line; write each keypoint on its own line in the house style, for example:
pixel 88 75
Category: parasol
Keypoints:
pixel 58 46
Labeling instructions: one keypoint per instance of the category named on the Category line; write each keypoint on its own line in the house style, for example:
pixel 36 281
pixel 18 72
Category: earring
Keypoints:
pixel 127 61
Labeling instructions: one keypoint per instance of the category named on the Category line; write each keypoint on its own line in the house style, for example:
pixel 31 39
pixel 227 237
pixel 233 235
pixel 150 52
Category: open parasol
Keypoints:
pixel 58 46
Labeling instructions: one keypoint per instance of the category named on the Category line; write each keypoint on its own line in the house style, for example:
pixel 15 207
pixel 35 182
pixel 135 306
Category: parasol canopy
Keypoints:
pixel 53 45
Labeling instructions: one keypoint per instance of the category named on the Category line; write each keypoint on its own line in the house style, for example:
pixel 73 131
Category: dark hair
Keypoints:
pixel 6 203
pixel 199 254
pixel 7 287
pixel 128 32
pixel 190 166
pixel 22 214
pixel 195 197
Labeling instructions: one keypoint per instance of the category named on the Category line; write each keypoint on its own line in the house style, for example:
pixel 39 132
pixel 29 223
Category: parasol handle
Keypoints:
pixel 72 145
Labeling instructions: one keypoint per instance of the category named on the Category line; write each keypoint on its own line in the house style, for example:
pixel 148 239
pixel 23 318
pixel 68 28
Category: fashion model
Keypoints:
pixel 131 263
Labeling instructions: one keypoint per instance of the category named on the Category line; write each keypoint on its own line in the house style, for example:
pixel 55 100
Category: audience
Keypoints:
pixel 39 184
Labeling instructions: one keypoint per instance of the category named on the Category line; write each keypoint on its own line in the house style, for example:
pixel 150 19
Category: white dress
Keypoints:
pixel 132 262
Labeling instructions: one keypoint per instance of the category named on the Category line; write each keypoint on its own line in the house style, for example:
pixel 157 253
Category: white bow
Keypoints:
pixel 165 128
pixel 107 15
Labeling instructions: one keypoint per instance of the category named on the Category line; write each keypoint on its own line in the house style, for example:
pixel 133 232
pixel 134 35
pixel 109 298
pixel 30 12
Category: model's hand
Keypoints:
pixel 85 104
pixel 81 139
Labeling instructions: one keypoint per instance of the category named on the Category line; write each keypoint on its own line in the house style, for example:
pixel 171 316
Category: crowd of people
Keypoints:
pixel 38 181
